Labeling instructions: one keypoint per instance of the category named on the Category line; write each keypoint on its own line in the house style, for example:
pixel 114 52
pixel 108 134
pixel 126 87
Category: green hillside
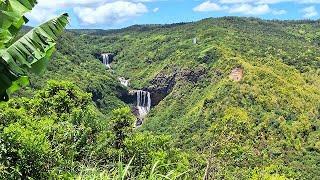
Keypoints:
pixel 269 118
pixel 203 121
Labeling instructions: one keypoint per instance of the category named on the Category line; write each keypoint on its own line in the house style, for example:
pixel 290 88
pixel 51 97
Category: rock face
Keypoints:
pixel 138 122
pixel 237 74
pixel 162 85
pixel 192 75
pixel 129 97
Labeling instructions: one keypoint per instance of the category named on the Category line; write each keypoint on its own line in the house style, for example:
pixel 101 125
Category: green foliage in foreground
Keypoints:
pixel 29 53
pixel 121 172
pixel 59 130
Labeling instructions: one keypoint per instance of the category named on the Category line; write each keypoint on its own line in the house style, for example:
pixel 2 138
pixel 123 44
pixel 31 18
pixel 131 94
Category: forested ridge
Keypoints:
pixel 242 102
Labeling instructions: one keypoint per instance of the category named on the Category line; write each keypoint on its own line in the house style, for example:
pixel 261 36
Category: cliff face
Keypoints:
pixel 162 85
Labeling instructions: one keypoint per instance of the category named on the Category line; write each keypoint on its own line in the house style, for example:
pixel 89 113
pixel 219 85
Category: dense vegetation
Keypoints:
pixel 59 130
pixel 265 126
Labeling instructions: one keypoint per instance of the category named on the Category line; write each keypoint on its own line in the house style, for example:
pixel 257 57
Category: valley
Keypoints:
pixel 220 98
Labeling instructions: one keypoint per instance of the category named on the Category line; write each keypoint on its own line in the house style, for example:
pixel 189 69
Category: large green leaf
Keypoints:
pixel 31 52
pixel 12 19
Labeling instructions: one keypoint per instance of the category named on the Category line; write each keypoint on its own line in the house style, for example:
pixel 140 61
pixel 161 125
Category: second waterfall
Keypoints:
pixel 143 102
pixel 106 60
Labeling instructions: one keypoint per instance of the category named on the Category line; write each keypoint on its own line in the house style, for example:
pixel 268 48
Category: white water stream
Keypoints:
pixel 143 102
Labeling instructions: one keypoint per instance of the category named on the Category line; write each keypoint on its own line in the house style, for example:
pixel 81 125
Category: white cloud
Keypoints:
pixel 250 9
pixel 232 6
pixel 280 12
pixel 254 7
pixel 110 13
pixel 209 6
pixel 309 12
pixel 91 12
pixel 41 15
pixel 155 10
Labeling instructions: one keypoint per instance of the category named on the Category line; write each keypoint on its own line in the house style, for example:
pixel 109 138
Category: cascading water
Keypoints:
pixel 106 60
pixel 194 40
pixel 143 102
pixel 123 81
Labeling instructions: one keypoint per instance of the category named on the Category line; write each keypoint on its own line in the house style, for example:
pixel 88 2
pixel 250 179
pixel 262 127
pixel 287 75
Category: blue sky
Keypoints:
pixel 113 14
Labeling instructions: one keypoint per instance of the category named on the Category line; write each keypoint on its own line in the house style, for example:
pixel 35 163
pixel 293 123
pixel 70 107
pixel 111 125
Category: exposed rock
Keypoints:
pixel 134 110
pixel 138 122
pixel 192 75
pixel 149 61
pixel 96 55
pixel 129 97
pixel 237 74
pixel 162 85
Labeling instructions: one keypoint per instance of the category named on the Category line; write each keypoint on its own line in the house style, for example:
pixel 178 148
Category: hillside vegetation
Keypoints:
pixel 264 125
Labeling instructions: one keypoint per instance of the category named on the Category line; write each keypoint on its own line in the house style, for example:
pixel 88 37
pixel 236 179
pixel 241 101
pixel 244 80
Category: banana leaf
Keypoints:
pixel 31 52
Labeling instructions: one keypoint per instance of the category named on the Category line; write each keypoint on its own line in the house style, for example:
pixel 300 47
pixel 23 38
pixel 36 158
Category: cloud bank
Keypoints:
pixel 309 12
pixel 254 7
pixel 110 13
pixel 114 12
pixel 91 12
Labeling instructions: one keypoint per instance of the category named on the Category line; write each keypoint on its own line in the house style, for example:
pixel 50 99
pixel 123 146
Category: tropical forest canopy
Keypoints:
pixel 231 98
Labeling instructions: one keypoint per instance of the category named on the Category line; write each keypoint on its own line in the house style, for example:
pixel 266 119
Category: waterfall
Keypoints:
pixel 194 40
pixel 143 102
pixel 124 81
pixel 106 60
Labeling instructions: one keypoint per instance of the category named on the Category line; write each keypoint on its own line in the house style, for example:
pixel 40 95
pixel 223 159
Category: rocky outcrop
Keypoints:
pixel 129 97
pixel 194 75
pixel 236 74
pixel 163 84
pixel 138 122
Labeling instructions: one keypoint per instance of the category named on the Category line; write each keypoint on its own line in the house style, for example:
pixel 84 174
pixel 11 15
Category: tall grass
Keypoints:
pixel 123 172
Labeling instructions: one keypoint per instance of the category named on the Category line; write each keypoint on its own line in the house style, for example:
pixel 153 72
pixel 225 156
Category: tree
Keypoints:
pixel 29 53
pixel 122 124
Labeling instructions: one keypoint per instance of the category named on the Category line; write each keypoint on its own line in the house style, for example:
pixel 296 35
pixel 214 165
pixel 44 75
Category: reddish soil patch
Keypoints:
pixel 236 74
